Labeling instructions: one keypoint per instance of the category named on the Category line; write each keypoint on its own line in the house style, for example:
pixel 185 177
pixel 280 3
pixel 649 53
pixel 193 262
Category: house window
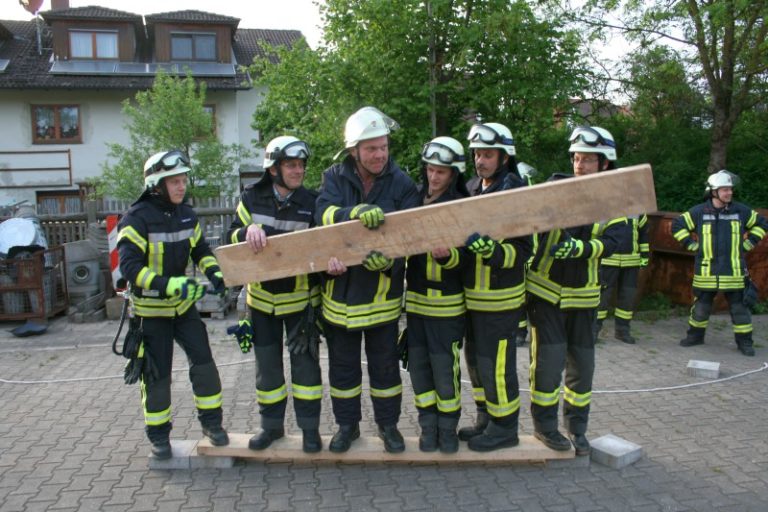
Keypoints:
pixel 187 46
pixel 58 202
pixel 211 110
pixel 55 124
pixel 92 45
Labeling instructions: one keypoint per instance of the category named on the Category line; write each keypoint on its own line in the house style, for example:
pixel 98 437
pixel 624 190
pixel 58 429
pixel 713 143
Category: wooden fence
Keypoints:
pixel 215 216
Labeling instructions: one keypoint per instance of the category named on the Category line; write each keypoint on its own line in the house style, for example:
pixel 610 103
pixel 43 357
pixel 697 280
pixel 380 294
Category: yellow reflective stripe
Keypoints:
pixel 198 235
pixel 623 314
pixel 757 231
pixel 718 282
pixel 426 399
pixel 453 404
pixel 434 270
pixel 144 278
pixel 272 396
pixel 495 299
pixel 362 315
pixel 602 314
pixel 545 399
pixel 449 405
pixel 157 418
pixel 500 375
pixel 387 393
pixel 346 393
pixel 694 323
pixel 307 392
pixel 597 248
pixel 509 255
pixel 681 235
pixel 736 246
pixel 503 409
pixel 329 215
pixel 742 328
pixel 280 304
pixel 207 262
pixel 577 399
pixel 437 306
pixel 130 234
pixel 155 257
pixel 688 221
pixel 243 214
pixel 208 402
pixel 478 394
pixel 540 286
pixel 453 259
pixel 622 260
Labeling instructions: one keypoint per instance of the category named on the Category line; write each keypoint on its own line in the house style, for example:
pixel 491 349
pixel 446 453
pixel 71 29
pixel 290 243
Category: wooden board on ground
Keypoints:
pixel 371 449
pixel 559 204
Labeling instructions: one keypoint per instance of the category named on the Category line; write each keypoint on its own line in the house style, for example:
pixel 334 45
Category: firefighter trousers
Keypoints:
pixel 741 317
pixel 434 366
pixel 346 376
pixel 491 356
pixel 561 340
pixel 190 333
pixel 624 281
pixel 271 390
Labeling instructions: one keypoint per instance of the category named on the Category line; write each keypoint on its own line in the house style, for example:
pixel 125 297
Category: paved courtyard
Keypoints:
pixel 71 436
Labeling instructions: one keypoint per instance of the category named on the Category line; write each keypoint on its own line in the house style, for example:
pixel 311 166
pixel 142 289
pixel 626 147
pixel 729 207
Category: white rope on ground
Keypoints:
pixel 602 392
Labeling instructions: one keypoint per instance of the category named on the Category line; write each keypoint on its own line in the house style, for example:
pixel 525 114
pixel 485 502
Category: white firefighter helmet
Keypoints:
pixel 492 136
pixel 367 123
pixel 720 179
pixel 593 139
pixel 445 151
pixel 284 147
pixel 164 164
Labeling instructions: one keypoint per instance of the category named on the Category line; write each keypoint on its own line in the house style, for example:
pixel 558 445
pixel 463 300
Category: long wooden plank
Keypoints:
pixel 560 204
pixel 371 449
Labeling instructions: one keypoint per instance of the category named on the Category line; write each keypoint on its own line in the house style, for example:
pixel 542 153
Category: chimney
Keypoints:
pixel 58 5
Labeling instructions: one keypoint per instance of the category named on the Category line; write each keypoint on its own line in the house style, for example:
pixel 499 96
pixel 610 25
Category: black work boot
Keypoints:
pixel 554 440
pixel 623 335
pixel 494 437
pixel 745 347
pixel 161 450
pixel 393 439
pixel 467 433
pixel 343 438
pixel 428 439
pixel 448 440
pixel 580 443
pixel 264 438
pixel 694 336
pixel 216 435
pixel 311 441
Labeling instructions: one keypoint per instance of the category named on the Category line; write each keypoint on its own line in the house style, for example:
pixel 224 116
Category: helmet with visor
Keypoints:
pixel 164 164
pixel 593 139
pixel 491 136
pixel 285 147
pixel 445 151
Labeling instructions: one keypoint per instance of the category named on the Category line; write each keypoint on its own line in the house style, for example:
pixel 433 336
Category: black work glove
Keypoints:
pixel 243 332
pixel 402 348
pixel 141 365
pixel 217 282
pixel 304 336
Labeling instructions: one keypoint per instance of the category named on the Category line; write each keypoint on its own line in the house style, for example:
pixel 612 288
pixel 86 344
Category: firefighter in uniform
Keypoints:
pixel 563 295
pixel 725 231
pixel 364 300
pixel 619 272
pixel 494 291
pixel 280 204
pixel 156 239
pixel 526 172
pixel 434 305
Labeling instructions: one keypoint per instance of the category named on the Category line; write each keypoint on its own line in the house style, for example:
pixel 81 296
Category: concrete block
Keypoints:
pixel 183 450
pixel 615 452
pixel 703 369
pixel 114 307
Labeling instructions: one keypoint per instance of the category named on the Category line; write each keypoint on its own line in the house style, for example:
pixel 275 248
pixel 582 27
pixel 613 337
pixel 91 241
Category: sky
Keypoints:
pixel 302 15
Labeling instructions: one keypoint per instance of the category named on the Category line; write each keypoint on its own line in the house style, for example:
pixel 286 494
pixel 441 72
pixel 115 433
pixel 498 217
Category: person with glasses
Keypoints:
pixel 157 237
pixel 720 231
pixel 364 300
pixel 434 306
pixel 563 295
pixel 494 292
pixel 277 204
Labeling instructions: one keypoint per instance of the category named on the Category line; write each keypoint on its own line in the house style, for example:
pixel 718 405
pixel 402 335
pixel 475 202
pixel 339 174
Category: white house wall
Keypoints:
pixel 101 122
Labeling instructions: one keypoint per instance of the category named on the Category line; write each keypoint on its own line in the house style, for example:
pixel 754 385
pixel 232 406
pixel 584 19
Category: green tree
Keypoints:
pixel 431 65
pixel 724 44
pixel 171 115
